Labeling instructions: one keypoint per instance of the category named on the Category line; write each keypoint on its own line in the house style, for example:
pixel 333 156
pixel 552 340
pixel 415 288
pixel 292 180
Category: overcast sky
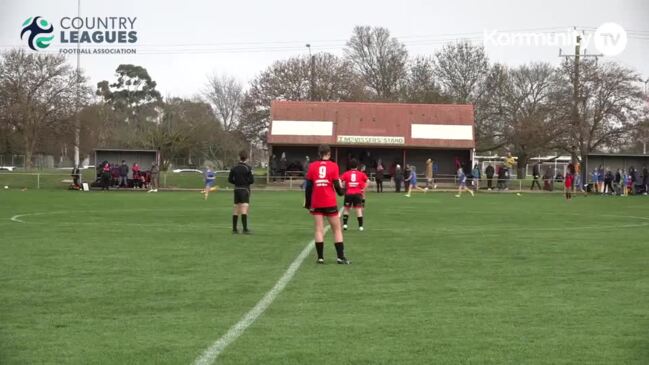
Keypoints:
pixel 181 42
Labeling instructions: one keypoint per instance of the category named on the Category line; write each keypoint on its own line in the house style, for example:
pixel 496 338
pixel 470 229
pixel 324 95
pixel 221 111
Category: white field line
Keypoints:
pixel 212 352
pixel 16 218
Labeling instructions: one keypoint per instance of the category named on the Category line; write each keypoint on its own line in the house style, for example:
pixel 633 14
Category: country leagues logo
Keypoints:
pixel 38 29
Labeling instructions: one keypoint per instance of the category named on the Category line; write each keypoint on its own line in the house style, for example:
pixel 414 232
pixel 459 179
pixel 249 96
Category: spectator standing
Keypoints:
pixel 476 177
pixel 578 183
pixel 273 167
pixel 645 180
pixel 600 179
pixel 307 162
pixel 123 175
pixel 502 178
pixel 393 169
pixel 489 172
pixel 608 181
pixel 548 182
pixel 283 165
pixel 105 176
pixel 617 182
pixel 137 176
pixel 595 184
pixel 76 177
pixel 398 178
pixel 536 175
pixel 458 163
pixel 114 173
pixel 155 177
pixel 305 169
pixel 429 175
pixel 379 176
pixel 510 161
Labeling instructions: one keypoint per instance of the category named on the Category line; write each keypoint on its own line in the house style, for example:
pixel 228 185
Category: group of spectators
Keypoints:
pixel 544 177
pixel 620 182
pixel 121 176
pixel 281 168
pixel 603 180
pixel 502 173
pixel 404 176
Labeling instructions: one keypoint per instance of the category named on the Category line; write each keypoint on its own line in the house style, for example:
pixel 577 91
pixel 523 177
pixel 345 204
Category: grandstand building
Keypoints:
pixel 394 133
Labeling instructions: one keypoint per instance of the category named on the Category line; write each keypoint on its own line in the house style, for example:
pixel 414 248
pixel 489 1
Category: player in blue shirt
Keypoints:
pixel 210 178
pixel 412 180
pixel 461 179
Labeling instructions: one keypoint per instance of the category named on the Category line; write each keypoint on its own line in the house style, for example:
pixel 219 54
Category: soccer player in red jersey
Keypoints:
pixel 570 176
pixel 355 182
pixel 322 185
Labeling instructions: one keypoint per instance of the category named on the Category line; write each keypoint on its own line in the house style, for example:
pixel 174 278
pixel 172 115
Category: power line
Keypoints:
pixel 421 40
pixel 300 43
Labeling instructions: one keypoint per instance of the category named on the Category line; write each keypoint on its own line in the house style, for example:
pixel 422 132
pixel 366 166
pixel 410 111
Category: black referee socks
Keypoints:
pixel 244 221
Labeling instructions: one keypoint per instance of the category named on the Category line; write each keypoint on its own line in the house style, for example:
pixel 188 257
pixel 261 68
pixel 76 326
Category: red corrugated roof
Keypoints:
pixel 372 119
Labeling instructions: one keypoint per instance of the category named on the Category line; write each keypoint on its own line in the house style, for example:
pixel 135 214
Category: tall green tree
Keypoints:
pixel 39 94
pixel 133 93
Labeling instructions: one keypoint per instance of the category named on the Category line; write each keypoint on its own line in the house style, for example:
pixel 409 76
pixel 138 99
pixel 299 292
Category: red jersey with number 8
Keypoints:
pixel 322 175
pixel 355 181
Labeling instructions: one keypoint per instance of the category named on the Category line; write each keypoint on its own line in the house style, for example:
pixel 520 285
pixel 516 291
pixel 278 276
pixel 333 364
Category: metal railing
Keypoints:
pixel 192 181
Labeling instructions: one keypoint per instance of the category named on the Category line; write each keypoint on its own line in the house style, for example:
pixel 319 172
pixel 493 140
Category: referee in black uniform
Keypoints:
pixel 241 177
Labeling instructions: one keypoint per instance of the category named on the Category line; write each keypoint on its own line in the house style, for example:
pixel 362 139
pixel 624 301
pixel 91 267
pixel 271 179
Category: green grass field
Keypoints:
pixel 135 278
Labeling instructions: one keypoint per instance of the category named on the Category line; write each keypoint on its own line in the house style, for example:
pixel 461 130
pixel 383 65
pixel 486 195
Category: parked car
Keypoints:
pixel 177 171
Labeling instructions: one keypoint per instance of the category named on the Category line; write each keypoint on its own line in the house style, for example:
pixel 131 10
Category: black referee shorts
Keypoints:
pixel 241 196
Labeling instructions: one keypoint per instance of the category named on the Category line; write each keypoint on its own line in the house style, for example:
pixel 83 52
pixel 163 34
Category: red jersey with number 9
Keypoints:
pixel 355 181
pixel 322 175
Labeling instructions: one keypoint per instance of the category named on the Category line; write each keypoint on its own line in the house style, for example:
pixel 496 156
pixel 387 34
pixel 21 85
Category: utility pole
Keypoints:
pixel 77 121
pixel 576 119
pixel 646 93
pixel 311 73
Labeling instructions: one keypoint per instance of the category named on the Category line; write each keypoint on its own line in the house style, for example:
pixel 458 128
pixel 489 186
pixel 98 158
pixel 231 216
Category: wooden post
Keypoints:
pixel 270 159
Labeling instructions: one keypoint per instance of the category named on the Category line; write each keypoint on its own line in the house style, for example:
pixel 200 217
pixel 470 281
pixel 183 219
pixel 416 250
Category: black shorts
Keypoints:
pixel 355 200
pixel 327 212
pixel 241 196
